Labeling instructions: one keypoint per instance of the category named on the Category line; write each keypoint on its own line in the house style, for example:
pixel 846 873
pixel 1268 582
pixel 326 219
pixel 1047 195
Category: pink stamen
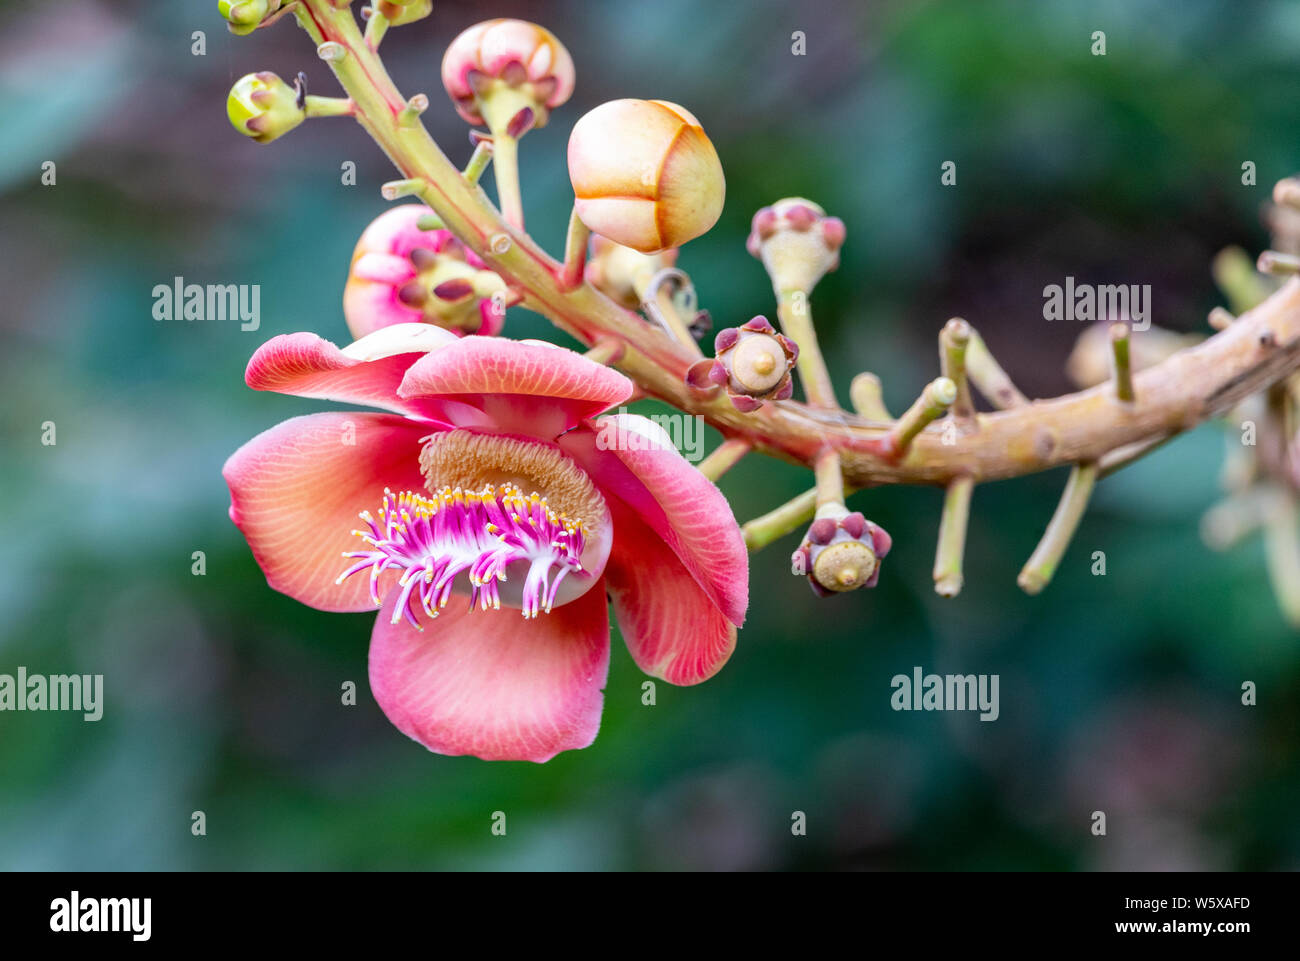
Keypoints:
pixel 433 539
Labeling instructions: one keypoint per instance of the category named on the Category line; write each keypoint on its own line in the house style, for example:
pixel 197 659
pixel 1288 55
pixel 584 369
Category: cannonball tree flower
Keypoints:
pixel 509 75
pixel 402 274
pixel 645 174
pixel 486 490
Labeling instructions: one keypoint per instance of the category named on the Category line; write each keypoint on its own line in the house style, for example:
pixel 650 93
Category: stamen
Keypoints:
pixel 434 539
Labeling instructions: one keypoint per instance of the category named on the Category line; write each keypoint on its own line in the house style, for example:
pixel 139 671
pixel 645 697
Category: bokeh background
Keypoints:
pixel 1118 693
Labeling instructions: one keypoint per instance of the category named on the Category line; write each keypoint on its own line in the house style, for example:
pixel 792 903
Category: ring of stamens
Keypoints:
pixel 433 539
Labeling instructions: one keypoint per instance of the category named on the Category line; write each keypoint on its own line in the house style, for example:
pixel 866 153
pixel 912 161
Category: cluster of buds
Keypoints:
pixel 841 552
pixel 507 75
pixel 797 243
pixel 753 362
pixel 645 174
pixel 402 274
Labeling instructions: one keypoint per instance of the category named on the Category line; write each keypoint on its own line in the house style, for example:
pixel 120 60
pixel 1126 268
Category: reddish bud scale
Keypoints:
pixel 752 361
pixel 841 554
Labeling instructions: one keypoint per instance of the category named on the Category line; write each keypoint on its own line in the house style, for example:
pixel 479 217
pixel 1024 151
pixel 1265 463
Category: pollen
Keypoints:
pixel 473 461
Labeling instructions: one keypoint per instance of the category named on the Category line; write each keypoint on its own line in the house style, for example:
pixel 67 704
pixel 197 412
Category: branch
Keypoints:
pixel 1260 348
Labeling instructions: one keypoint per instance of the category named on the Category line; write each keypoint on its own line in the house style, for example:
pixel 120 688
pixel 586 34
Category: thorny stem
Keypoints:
pixel 1191 386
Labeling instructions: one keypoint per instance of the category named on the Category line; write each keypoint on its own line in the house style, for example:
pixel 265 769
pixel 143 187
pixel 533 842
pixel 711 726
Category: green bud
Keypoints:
pixel 245 15
pixel 263 106
pixel 400 12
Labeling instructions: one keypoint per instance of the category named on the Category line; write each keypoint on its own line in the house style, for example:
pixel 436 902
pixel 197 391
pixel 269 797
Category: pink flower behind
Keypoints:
pixel 486 492
pixel 402 274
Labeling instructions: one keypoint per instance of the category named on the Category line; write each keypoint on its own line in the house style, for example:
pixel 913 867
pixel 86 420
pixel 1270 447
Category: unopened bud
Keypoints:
pixel 264 107
pixel 622 273
pixel 797 243
pixel 497 69
pixel 401 12
pixel 244 15
pixel 644 174
pixel 753 362
pixel 841 552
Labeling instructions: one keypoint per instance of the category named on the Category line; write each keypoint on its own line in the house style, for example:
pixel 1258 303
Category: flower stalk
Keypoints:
pixel 952 537
pixel 1042 564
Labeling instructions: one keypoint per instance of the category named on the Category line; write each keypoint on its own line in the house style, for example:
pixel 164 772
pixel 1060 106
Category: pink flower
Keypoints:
pixel 401 274
pixel 488 478
pixel 516 53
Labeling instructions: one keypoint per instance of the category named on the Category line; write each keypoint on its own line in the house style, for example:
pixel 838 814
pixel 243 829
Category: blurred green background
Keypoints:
pixel 1118 693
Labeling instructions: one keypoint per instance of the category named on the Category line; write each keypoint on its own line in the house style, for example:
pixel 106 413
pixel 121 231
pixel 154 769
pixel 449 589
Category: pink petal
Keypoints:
pixel 492 684
pixel 671 627
pixel 296 491
pixel 524 386
pixel 309 366
pixel 630 457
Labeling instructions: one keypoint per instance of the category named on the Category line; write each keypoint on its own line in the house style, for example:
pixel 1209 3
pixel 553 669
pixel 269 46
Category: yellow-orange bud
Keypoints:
pixel 644 174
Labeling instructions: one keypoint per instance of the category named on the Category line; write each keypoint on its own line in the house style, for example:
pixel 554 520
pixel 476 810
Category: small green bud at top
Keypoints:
pixel 263 106
pixel 245 15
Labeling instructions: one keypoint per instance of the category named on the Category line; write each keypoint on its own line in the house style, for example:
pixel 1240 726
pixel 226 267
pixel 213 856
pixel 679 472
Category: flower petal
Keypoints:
pixel 527 386
pixel 306 365
pixel 492 684
pixel 671 627
pixel 630 457
pixel 296 491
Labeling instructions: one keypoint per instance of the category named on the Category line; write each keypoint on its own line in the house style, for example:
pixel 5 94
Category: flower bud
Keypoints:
pixel 752 361
pixel 498 68
pixel 263 106
pixel 797 243
pixel 401 12
pixel 245 15
pixel 644 174
pixel 402 274
pixel 841 552
pixel 622 273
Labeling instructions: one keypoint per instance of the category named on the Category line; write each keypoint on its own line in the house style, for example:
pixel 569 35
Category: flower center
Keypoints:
pixel 477 530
